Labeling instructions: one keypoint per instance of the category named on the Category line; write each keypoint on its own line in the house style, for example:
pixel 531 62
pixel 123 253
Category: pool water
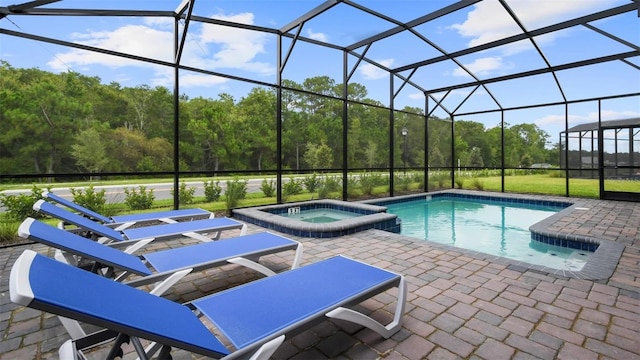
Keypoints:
pixel 495 228
pixel 321 215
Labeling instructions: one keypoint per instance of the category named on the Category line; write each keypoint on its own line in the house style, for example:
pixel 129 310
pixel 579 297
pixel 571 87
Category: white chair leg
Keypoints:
pixel 366 321
pixel 297 257
pixel 200 237
pixel 167 283
pixel 68 352
pixel 73 328
pixel 252 265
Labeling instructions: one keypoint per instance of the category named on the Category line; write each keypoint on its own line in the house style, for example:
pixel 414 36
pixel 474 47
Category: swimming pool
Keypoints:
pixel 498 227
pixel 320 218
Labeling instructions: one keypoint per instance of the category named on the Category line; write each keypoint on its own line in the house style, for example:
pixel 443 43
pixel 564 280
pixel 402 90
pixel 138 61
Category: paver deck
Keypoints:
pixel 460 306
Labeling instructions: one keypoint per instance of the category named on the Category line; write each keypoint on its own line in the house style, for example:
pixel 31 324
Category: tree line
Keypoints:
pixel 70 123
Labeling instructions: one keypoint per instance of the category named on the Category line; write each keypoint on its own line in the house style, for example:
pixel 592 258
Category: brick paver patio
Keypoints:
pixel 459 306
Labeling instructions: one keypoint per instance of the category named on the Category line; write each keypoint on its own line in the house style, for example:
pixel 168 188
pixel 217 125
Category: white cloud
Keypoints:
pixel 482 30
pixel 488 21
pixel 482 66
pixel 238 47
pixel 317 36
pixel 208 46
pixel 131 39
pixel 558 120
pixel 159 22
pixel 617 115
pixel 163 76
pixel 466 92
pixel 371 72
pixel 416 96
pixel 191 80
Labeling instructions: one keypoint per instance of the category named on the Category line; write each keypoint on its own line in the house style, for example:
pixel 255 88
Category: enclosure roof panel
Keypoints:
pixel 435 46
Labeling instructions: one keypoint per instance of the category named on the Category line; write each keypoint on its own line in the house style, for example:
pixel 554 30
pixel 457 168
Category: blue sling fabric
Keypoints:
pixel 249 315
pixel 67 291
pixel 77 220
pixel 155 231
pixel 269 305
pixel 197 257
pixel 218 251
pixel 81 209
pixel 171 214
pixel 140 217
pixel 77 245
pixel 175 229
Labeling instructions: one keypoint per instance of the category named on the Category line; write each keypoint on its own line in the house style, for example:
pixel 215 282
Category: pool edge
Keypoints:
pixel 600 265
pixel 376 219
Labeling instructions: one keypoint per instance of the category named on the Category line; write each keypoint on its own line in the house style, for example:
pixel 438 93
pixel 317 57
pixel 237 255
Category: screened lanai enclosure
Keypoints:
pixel 615 144
pixel 309 98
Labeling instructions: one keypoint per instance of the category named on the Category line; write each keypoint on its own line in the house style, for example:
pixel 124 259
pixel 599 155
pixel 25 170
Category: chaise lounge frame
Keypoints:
pixel 251 320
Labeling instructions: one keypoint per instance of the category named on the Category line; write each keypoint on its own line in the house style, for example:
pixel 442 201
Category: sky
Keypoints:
pixel 253 55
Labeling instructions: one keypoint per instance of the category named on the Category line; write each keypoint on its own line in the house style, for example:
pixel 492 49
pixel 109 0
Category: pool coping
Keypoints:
pixel 371 216
pixel 600 265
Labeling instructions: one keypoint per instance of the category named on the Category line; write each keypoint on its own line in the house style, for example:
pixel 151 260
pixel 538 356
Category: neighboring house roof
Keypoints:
pixel 605 124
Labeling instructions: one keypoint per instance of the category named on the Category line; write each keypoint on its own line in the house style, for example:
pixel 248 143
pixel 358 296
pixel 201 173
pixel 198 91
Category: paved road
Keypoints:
pixel 115 193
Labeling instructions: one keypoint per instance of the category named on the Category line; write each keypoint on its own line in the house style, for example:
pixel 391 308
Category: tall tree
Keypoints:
pixel 257 112
pixel 216 132
pixel 41 114
pixel 90 149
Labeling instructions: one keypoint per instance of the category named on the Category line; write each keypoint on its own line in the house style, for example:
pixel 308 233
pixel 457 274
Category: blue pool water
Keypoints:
pixel 495 228
pixel 321 215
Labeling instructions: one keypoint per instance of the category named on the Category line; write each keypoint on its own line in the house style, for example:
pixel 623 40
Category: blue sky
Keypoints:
pixel 252 55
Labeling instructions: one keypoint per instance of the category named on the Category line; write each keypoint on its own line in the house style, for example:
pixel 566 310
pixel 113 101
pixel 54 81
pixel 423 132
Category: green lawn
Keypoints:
pixel 526 184
pixel 545 185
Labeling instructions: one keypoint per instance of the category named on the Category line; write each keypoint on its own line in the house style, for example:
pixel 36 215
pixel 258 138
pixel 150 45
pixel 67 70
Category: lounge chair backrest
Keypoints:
pixel 77 245
pixel 77 220
pixel 71 205
pixel 176 229
pixel 48 285
pixel 182 214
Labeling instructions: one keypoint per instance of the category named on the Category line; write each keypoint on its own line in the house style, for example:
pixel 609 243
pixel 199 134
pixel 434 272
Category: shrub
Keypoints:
pixel 440 178
pixel 353 183
pixel 556 173
pixel 20 207
pixel 367 183
pixel 333 183
pixel 381 180
pixel 185 194
pixel 236 190
pixel 323 192
pixel 212 190
pixel 90 198
pixel 478 184
pixel 268 188
pixel 401 182
pixel 312 183
pixel 459 182
pixel 8 230
pixel 292 187
pixel 139 200
pixel 418 177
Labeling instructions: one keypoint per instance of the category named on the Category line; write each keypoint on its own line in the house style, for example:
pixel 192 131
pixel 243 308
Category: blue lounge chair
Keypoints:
pixel 254 318
pixel 124 237
pixel 162 268
pixel 170 216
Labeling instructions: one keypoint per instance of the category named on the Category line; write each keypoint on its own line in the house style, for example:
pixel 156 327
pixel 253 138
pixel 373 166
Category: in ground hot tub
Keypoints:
pixel 320 218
